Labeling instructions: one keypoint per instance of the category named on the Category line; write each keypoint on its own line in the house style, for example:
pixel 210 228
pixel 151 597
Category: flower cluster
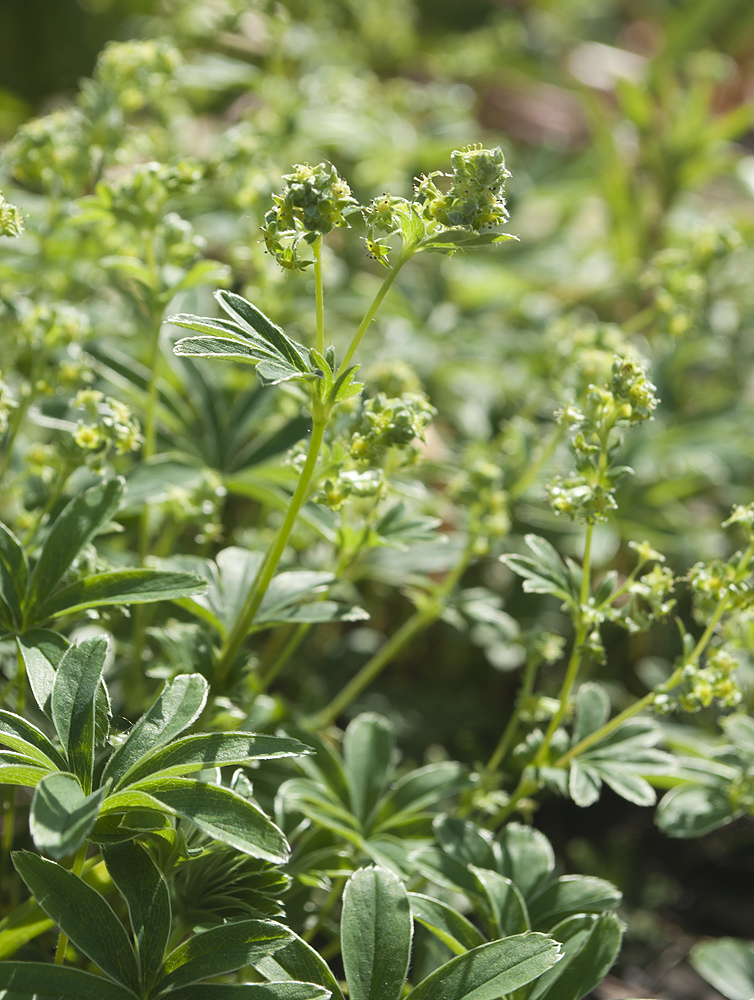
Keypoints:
pixel 474 199
pixel 386 423
pixel 313 202
pixel 478 489
pixel 112 425
pixel 587 493
pixel 718 581
pixel 678 278
pixel 50 154
pixel 10 219
pixel 138 73
pixel 700 687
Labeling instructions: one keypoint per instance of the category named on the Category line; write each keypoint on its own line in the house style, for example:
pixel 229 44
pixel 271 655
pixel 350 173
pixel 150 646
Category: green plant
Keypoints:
pixel 287 521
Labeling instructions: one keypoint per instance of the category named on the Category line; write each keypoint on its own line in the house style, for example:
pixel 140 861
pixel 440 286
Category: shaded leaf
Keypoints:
pixel 446 923
pixel 375 934
pixel 74 694
pixel 125 586
pixel 62 816
pixel 82 914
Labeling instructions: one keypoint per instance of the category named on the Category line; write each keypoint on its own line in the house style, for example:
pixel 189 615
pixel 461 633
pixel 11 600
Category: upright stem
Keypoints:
pixel 78 865
pixel 527 686
pixel 267 569
pixel 575 660
pixel 371 311
pixel 419 620
pixel 319 294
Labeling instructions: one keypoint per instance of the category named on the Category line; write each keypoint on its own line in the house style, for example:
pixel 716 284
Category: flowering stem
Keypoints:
pixel 575 661
pixel 78 865
pixel 527 686
pixel 267 570
pixel 370 313
pixel 319 294
pixel 421 619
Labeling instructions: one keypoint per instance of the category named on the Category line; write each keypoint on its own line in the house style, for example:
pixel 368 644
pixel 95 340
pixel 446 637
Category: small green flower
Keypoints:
pixel 474 199
pixel 11 223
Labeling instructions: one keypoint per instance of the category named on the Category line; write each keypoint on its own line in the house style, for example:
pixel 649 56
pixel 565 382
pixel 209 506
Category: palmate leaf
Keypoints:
pixel 72 529
pixel 249 337
pixel 590 946
pixel 62 816
pixel 44 981
pixel 544 572
pixel 174 710
pixel 82 914
pixel 375 933
pixel 220 950
pixel 491 970
pixel 146 893
pixel 448 240
pixel 74 693
pixel 293 596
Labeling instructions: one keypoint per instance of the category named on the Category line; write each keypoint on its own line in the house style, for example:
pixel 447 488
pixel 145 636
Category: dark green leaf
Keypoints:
pixel 375 935
pixel 255 321
pixel 44 981
pixel 367 752
pixel 73 528
pixel 82 914
pixel 491 970
pixel 18 734
pixel 125 586
pixel 728 964
pixel 505 903
pixel 42 650
pixel 222 814
pixel 299 962
pixel 694 811
pixel 178 705
pixel 220 950
pixel 629 785
pixel 465 842
pixel 194 753
pixel 62 816
pixel 571 894
pixel 251 991
pixel 592 710
pixel 446 923
pixel 141 884
pixel 74 694
pixel 587 958
pixel 13 572
pixel 527 857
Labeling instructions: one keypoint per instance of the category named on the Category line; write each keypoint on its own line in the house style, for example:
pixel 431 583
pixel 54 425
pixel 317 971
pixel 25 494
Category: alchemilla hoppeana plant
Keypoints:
pixel 252 470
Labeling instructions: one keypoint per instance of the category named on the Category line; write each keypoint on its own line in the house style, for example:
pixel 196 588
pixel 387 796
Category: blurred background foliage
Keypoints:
pixel 627 125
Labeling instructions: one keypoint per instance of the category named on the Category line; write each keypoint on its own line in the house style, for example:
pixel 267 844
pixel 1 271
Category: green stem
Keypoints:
pixel 574 662
pixel 419 620
pixel 290 647
pixel 371 311
pixel 324 910
pixel 78 865
pixel 536 465
pixel 527 686
pixel 15 425
pixel 267 570
pixel 319 294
